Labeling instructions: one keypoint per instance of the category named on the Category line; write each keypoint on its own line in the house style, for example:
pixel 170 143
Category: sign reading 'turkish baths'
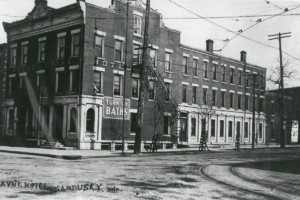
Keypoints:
pixel 113 108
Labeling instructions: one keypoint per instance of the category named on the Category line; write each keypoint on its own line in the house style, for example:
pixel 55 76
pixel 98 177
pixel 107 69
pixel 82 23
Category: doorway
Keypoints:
pixel 58 123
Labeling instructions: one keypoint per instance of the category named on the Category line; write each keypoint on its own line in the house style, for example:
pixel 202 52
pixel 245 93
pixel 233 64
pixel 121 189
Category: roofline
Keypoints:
pixel 221 57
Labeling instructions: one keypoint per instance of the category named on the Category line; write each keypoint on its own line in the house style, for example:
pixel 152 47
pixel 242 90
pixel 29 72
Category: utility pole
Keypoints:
pixel 278 37
pixel 141 103
pixel 253 109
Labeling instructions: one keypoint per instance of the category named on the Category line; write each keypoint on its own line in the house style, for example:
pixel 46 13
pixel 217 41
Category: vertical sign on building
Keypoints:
pixel 294 134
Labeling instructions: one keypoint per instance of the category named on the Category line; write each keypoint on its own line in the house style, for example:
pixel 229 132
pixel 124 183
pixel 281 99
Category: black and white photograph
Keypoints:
pixel 149 99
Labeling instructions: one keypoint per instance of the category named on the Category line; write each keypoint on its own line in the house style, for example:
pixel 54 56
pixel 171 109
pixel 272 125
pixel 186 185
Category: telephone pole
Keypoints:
pixel 253 108
pixel 278 37
pixel 141 102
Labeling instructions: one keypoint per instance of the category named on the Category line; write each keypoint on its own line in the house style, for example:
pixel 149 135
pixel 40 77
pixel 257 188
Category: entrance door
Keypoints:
pixel 58 123
pixel 194 138
pixel 21 113
pixel 183 127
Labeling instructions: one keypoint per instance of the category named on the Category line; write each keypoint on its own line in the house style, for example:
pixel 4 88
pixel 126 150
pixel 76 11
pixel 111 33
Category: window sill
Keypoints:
pixel 186 75
pixel 135 98
pixel 215 81
pixel 232 84
pixel 169 72
pixel 240 86
pixel 151 100
pixel 137 35
pixel 224 83
pixel 195 76
pixel 132 133
pixel 206 79
pixel 98 94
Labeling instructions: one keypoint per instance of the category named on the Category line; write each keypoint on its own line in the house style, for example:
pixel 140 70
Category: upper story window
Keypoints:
pixel 137 24
pixel 60 80
pixel 223 99
pixel 214 71
pixel 231 75
pixel 185 65
pixel 204 96
pixel 240 77
pixel 246 79
pixel 118 50
pixel 195 67
pixel 61 47
pixel 168 62
pixel 13 55
pixel 135 88
pixel 246 102
pixel 117 85
pixel 98 82
pixel 99 46
pixel 184 93
pixel 239 101
pixel 272 108
pixel 24 53
pixel 231 100
pixel 223 74
pixel 194 97
pixel 205 69
pixel 153 55
pixel 168 87
pixel 75 44
pixel 42 52
pixel 137 54
pixel 214 97
pixel 151 91
pixel 74 80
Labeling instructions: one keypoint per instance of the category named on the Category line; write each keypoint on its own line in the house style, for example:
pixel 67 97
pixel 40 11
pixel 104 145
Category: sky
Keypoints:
pixel 196 21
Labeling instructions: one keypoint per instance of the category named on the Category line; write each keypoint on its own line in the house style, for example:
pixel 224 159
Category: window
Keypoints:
pixel 90 120
pixel 231 100
pixel 117 85
pixel 73 120
pixel 240 77
pixel 99 46
pixel 74 80
pixel 213 128
pixel 230 129
pixel 168 61
pixel 223 73
pixel 168 87
pixel 135 88
pixel 238 130
pixel 166 125
pixel 195 67
pixel 185 65
pixel 231 75
pixel 247 80
pixel 204 96
pixel 40 80
pixel 118 50
pixel 137 54
pixel 153 56
pixel 21 82
pixel 194 97
pixel 246 129
pixel 260 130
pixel 272 108
pixel 151 90
pixel 222 99
pixel 42 51
pixel 261 105
pixel 193 122
pixel 214 97
pixel 98 82
pixel 214 72
pixel 205 66
pixel 75 44
pixel 184 93
pixel 246 102
pixel 239 101
pixel 13 56
pixel 133 122
pixel 137 25
pixel 61 47
pixel 272 130
pixel 24 54
pixel 60 82
pixel 10 119
pixel 221 128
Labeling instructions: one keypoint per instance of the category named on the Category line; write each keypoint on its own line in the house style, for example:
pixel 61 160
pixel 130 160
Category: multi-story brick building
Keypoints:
pixel 3 62
pixel 67 78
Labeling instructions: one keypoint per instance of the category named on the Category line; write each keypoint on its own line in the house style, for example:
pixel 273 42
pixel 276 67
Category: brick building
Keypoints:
pixel 291 115
pixel 66 76
pixel 3 62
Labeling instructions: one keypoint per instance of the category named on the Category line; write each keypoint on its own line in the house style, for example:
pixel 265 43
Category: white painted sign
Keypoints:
pixel 294 136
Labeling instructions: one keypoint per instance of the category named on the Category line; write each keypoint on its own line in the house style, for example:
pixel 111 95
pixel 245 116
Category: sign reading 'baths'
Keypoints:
pixel 113 108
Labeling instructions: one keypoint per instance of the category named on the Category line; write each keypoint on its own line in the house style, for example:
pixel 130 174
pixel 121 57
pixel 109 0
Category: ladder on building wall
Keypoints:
pixel 163 98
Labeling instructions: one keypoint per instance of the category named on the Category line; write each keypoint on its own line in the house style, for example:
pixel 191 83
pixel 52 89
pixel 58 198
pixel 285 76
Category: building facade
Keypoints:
pixel 3 63
pixel 70 68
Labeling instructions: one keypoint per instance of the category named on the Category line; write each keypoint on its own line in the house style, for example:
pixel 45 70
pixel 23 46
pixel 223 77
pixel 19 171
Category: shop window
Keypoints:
pixel 246 130
pixel 73 120
pixel 90 120
pixel 260 130
pixel 230 129
pixel 213 128
pixel 133 122
pixel 221 128
pixel 10 119
pixel 193 122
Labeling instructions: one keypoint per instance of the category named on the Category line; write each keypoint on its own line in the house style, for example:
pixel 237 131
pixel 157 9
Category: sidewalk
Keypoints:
pixel 84 154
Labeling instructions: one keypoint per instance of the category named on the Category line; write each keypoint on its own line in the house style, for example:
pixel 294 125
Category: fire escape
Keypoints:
pixel 165 102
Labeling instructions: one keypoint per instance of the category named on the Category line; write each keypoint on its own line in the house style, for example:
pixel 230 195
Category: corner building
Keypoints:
pixel 67 68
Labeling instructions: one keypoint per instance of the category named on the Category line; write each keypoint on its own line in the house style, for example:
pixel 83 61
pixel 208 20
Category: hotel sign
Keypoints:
pixel 113 108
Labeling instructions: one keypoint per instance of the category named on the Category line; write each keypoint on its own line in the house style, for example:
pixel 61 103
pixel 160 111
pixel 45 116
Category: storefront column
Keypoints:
pixel 51 122
pixel 65 120
pixel 15 121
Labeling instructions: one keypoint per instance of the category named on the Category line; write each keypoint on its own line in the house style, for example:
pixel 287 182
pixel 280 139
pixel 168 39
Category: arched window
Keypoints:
pixel 73 120
pixel 90 120
pixel 10 119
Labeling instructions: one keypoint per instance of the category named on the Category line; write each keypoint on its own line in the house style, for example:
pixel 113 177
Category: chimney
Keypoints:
pixel 210 45
pixel 43 3
pixel 243 56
